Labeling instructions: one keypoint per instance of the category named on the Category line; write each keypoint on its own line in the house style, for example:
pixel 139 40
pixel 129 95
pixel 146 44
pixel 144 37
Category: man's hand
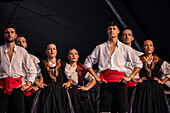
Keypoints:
pixel 24 87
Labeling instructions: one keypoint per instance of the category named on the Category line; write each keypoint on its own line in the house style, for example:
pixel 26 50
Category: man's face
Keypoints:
pixel 127 36
pixel 21 41
pixel 10 35
pixel 113 31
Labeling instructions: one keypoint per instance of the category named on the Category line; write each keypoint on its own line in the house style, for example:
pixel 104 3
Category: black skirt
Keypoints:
pixel 149 98
pixel 80 101
pixel 53 99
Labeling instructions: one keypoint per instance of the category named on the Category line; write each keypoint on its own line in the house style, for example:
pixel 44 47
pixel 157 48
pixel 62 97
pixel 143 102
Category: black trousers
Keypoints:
pixel 113 97
pixel 13 103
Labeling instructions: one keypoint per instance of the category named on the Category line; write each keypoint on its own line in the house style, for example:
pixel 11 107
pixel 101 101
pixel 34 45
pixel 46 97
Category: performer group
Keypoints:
pixel 126 81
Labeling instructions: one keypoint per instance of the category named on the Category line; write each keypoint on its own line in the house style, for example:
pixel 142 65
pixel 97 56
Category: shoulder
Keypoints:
pixel 101 45
pixel 35 59
pixel 2 47
pixel 138 53
pixel 21 49
pixel 124 47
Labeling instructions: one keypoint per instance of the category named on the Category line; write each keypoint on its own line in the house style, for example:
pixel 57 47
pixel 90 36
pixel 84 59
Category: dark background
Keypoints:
pixel 82 23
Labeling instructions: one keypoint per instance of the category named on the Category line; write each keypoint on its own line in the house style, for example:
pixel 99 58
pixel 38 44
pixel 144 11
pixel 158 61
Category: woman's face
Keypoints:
pixel 73 55
pixel 51 51
pixel 148 47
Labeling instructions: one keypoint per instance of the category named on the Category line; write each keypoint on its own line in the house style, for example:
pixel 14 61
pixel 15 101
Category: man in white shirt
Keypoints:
pixel 12 59
pixel 127 38
pixel 29 96
pixel 112 57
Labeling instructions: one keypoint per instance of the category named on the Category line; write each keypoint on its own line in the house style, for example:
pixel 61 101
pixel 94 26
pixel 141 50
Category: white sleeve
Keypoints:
pixel 92 59
pixel 88 76
pixel 134 59
pixel 165 69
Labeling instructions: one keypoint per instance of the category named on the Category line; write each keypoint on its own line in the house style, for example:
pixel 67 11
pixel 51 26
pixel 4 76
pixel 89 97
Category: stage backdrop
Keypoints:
pixel 82 23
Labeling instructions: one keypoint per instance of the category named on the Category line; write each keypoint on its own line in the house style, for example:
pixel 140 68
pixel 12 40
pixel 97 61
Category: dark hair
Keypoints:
pixel 127 29
pixel 112 23
pixel 21 35
pixel 71 49
pixel 49 44
pixel 147 39
pixel 67 60
pixel 9 25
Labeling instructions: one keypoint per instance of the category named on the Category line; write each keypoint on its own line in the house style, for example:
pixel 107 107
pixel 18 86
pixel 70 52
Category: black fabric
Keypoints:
pixel 53 98
pixel 80 100
pixel 149 96
pixel 46 78
pixel 28 102
pixel 155 72
pixel 13 103
pixel 113 97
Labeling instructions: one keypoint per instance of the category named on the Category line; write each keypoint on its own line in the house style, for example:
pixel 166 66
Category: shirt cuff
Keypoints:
pixel 139 65
pixel 87 66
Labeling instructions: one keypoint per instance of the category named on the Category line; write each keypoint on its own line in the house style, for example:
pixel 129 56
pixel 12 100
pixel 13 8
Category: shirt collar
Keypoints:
pixel 108 43
pixel 6 49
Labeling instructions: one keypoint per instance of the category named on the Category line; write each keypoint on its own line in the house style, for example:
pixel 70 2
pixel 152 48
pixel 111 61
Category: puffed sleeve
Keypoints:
pixel 165 69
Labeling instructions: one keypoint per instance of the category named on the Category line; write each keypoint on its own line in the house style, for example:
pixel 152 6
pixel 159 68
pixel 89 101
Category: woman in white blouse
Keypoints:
pixel 75 77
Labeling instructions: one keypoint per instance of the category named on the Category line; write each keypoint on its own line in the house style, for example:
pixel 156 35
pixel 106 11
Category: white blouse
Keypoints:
pixel 71 74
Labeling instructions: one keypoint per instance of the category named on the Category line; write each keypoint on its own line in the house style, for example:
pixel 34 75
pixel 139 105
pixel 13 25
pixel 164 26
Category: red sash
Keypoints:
pixel 111 76
pixel 131 84
pixel 9 83
pixel 28 93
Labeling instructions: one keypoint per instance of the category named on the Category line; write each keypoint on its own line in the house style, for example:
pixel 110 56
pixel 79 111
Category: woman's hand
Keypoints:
pixel 83 88
pixel 67 85
pixel 34 88
pixel 141 79
pixel 40 84
pixel 158 80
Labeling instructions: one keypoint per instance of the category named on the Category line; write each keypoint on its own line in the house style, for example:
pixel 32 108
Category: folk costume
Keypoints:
pixel 148 96
pixel 113 94
pixel 80 100
pixel 11 74
pixel 53 98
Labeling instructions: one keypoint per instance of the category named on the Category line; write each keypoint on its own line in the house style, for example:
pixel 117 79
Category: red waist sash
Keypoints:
pixel 131 84
pixel 9 83
pixel 111 76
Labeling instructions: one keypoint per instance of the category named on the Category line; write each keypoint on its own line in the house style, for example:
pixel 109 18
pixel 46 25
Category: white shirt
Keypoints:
pixel 71 74
pixel 165 69
pixel 15 68
pixel 116 61
pixel 35 61
pixel 130 67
